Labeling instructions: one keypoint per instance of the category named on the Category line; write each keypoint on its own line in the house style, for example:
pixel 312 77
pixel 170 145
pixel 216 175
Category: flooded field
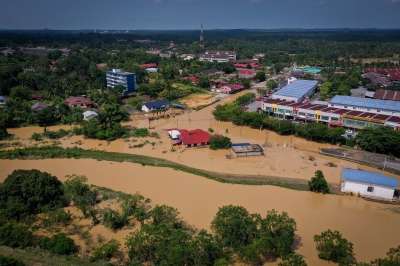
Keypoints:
pixel 372 230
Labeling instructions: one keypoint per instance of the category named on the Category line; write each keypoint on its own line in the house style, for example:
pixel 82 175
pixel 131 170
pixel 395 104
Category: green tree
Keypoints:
pixel 20 93
pixel 392 259
pixel 246 83
pixel 318 183
pixel 46 116
pixel 15 236
pixel 80 193
pixel 205 249
pixel 333 247
pixel 316 131
pixel 260 76
pixel 106 251
pixel 235 225
pixel 271 84
pixel 293 260
pixel 219 142
pixel 204 82
pixel 32 188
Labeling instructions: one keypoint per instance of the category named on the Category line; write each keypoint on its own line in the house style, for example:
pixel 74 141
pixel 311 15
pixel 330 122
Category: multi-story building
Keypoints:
pixel 331 116
pixel 118 77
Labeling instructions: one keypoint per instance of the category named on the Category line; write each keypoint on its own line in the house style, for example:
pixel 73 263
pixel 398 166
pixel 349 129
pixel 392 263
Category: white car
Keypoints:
pixel 349 131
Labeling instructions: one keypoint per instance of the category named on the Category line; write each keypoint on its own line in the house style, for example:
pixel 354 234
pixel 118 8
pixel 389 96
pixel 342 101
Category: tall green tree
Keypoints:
pixel 333 247
pixel 318 183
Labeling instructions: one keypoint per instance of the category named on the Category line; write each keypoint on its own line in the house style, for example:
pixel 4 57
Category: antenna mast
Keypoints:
pixel 201 36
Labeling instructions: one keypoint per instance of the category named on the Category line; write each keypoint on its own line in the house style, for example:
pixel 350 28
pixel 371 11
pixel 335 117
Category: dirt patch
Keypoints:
pixel 195 100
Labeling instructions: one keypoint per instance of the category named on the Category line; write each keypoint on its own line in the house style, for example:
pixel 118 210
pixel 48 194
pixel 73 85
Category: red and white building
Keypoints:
pixel 189 138
pixel 78 101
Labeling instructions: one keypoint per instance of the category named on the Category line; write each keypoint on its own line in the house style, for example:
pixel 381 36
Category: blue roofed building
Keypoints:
pixel 296 91
pixel 118 77
pixel 374 106
pixel 368 184
pixel 156 105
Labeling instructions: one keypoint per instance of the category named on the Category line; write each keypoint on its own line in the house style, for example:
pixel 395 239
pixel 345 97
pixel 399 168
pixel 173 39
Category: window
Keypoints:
pixel 302 114
pixel 345 106
pixel 335 119
pixel 368 109
pixel 354 108
pixel 370 189
pixel 325 118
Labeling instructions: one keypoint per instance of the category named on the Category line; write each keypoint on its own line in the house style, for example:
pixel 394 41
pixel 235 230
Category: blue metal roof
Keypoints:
pixel 369 177
pixel 297 89
pixel 366 103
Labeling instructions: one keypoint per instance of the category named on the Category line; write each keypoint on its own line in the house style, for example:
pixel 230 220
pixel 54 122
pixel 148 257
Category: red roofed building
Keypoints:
pixel 231 88
pixel 149 65
pixel 246 73
pixel 194 80
pixel 244 65
pixel 194 138
pixel 78 101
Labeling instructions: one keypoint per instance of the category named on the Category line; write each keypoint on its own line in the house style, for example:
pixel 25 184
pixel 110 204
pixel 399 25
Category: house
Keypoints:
pixel 244 65
pixel 368 184
pixel 156 105
pixel 37 97
pixel 89 115
pixel 101 66
pixel 78 101
pixel 187 56
pixel 231 54
pixel 194 138
pixel 246 73
pixel 215 84
pixel 214 57
pixel 211 72
pixel 231 88
pixel 193 79
pixel 2 100
pixel 247 149
pixel 153 65
pixel 37 107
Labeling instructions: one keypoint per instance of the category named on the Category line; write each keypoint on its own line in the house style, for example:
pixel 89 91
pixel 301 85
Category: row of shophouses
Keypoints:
pixel 332 116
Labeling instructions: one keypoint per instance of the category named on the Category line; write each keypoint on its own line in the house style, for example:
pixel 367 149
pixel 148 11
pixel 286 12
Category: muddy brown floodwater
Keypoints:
pixel 371 230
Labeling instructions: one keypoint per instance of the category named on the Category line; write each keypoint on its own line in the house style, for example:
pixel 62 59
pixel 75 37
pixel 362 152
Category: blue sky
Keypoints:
pixel 189 14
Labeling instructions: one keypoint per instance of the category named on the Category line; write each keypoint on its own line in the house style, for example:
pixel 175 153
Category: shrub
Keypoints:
pixel 15 236
pixel 211 130
pixel 219 142
pixel 58 244
pixel 105 251
pixel 77 130
pixel 5 261
pixel 333 247
pixel 37 137
pixel 113 219
pixel 318 183
pixel 293 260
pixel 140 132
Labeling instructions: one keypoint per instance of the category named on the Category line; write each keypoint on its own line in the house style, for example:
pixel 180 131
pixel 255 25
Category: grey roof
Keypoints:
pixel 157 104
pixel 39 106
pixel 368 103
pixel 369 93
pixel 369 177
pixel 297 89
pixel 89 115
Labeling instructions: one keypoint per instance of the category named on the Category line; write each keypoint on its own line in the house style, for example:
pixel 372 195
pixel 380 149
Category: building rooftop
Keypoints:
pixel 247 148
pixel 366 103
pixel 369 177
pixel 297 89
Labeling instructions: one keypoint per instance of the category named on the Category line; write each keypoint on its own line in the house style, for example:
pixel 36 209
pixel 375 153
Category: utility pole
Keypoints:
pixel 384 164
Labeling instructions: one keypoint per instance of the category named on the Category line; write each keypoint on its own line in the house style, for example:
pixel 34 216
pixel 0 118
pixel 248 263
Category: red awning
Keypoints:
pixel 336 124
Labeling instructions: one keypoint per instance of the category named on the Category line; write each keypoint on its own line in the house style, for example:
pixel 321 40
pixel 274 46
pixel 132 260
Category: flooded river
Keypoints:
pixel 372 230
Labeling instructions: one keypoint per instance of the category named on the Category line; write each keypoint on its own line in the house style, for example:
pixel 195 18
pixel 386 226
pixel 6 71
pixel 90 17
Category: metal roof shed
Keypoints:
pixel 296 91
pixel 368 184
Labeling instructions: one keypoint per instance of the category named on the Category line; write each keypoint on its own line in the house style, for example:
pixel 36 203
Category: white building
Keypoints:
pixel 214 57
pixel 291 79
pixel 368 184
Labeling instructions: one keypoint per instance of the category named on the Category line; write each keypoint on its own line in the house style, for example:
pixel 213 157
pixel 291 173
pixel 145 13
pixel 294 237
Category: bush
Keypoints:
pixel 293 260
pixel 5 261
pixel 333 247
pixel 77 130
pixel 37 137
pixel 140 132
pixel 113 219
pixel 58 244
pixel 318 183
pixel 211 130
pixel 219 142
pixel 15 236
pixel 105 251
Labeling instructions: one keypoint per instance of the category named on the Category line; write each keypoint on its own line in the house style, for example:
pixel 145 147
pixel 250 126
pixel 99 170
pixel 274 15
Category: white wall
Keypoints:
pixel 359 187
pixel 145 109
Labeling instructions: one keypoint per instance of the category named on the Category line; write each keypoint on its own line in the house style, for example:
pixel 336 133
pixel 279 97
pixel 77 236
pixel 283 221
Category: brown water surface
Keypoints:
pixel 371 230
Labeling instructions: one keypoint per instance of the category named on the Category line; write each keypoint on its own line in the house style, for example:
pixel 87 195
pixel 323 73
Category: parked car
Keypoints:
pixel 260 99
pixel 258 109
pixel 350 136
pixel 245 108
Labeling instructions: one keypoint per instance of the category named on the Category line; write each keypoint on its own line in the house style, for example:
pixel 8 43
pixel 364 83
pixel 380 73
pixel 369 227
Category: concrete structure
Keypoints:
pixel 118 77
pixel 156 105
pixel 89 115
pixel 214 57
pixel 230 54
pixel 368 184
pixel 296 92
pixel 366 105
pixel 329 115
pixel 247 149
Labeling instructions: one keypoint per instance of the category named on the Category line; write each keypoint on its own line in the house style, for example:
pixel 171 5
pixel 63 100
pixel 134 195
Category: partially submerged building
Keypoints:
pixel 156 105
pixel 368 184
pixel 247 149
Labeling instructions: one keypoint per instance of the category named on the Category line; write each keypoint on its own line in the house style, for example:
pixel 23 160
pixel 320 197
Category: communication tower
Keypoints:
pixel 201 36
